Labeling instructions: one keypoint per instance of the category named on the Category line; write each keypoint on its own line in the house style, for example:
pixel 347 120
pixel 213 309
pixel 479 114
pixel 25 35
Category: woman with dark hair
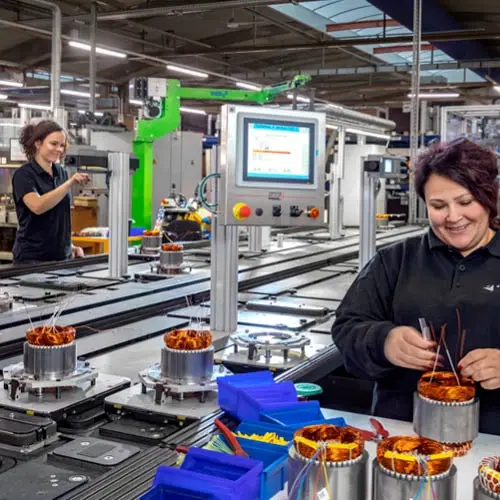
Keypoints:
pixel 452 271
pixel 41 193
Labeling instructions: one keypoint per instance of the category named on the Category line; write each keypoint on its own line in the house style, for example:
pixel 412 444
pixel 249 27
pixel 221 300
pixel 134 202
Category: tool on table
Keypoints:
pixel 379 433
pixel 231 439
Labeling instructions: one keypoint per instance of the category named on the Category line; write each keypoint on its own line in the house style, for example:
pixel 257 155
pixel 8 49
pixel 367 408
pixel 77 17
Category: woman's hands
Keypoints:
pixel 79 178
pixel 483 366
pixel 77 252
pixel 405 347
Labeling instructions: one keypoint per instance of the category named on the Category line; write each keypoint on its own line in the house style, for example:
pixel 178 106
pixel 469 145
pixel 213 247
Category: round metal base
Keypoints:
pixel 187 367
pixel 481 494
pixel 346 480
pixel 387 485
pixel 49 363
pixel 171 259
pixel 446 423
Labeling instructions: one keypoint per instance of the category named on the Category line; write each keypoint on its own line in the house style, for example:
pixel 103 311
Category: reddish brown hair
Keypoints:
pixel 467 163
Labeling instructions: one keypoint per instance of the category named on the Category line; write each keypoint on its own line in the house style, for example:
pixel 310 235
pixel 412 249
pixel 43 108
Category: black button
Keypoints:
pixel 461 267
pixel 259 211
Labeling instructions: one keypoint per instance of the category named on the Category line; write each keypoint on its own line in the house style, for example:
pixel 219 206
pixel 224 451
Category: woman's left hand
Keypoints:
pixel 483 366
pixel 77 252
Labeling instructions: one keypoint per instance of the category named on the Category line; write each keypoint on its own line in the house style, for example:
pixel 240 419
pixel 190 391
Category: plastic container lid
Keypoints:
pixel 307 389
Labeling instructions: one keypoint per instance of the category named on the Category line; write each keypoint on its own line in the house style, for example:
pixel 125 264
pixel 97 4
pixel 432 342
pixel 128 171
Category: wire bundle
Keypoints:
pixel 50 335
pixel 444 387
pixel 407 454
pixel 188 340
pixel 268 437
pixel 489 474
pixel 338 443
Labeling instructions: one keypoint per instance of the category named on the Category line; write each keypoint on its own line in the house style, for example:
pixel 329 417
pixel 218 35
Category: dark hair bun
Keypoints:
pixel 31 134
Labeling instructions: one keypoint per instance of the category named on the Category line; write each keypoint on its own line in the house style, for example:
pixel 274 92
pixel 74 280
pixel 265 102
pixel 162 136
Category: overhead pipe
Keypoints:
pixel 55 70
pixel 335 113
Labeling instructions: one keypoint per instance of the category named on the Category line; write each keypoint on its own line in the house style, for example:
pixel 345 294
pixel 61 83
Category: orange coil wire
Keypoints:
pixel 408 454
pixel 459 449
pixel 188 340
pixel 489 474
pixel 151 232
pixel 443 386
pixel 47 336
pixel 338 443
pixel 172 247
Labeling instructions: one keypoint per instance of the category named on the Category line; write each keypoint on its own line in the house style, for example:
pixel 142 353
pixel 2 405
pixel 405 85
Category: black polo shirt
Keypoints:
pixel 420 277
pixel 45 237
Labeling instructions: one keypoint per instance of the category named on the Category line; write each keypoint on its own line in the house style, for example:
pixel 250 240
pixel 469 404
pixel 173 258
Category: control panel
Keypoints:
pixel 272 167
pixel 387 167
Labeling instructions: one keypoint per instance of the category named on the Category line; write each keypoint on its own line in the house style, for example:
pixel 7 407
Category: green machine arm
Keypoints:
pixel 169 120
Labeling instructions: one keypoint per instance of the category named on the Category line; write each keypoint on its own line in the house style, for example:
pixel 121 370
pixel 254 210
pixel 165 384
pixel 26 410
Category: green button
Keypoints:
pixel 307 389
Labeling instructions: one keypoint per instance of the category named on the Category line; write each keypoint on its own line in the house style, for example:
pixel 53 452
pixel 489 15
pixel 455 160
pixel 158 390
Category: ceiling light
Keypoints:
pixel 10 83
pixel 436 95
pixel 83 111
pixel 77 93
pixel 136 102
pixel 299 98
pixel 193 111
pixel 7 124
pixel 43 107
pixel 3 97
pixel 367 133
pixel 186 71
pixel 248 86
pixel 99 50
pixel 497 88
pixel 332 127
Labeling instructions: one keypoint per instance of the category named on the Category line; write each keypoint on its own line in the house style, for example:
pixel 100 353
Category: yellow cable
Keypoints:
pixel 429 491
pixel 323 463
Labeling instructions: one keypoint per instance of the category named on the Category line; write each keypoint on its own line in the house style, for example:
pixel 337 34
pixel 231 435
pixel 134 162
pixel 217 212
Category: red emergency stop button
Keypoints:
pixel 241 211
pixel 313 213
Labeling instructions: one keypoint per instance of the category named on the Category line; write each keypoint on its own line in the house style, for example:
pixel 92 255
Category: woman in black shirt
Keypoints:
pixel 452 271
pixel 41 193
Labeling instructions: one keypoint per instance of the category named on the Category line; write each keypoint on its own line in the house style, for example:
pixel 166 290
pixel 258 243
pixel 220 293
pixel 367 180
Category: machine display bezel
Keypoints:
pixel 246 179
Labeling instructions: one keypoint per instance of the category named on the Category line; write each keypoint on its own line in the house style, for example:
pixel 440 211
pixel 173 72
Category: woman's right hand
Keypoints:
pixel 79 178
pixel 405 347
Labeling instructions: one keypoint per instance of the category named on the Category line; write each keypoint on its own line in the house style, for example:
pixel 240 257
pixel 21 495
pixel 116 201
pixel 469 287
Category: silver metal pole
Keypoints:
pixel 415 91
pixel 443 129
pixel 92 62
pixel 335 213
pixel 367 228
pixel 119 207
pixel 255 241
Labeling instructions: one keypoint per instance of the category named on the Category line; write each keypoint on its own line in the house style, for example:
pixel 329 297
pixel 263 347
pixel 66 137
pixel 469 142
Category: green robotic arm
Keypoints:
pixel 148 130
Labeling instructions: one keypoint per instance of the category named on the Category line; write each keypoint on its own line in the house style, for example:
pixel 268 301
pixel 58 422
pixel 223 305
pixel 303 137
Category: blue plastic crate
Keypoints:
pixel 241 473
pixel 299 415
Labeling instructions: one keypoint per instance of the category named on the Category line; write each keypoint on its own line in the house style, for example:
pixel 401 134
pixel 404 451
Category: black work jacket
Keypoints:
pixel 420 278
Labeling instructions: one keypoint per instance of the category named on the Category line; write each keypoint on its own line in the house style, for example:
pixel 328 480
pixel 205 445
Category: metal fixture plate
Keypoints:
pixel 292 305
pixel 132 399
pixel 49 405
pixel 138 431
pixel 274 321
pixel 96 451
pixel 332 289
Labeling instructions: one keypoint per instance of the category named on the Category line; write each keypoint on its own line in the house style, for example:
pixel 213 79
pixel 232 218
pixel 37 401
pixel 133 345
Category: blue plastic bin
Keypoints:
pixel 274 458
pixel 299 415
pixel 241 473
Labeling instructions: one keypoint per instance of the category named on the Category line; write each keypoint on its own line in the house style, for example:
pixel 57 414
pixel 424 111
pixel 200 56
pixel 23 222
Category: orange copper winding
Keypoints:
pixel 459 449
pixel 340 443
pixel 188 340
pixel 444 387
pixel 489 474
pixel 47 336
pixel 151 232
pixel 405 454
pixel 172 247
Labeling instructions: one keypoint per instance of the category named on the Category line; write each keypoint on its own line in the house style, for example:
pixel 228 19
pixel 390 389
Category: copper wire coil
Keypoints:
pixel 339 443
pixel 172 247
pixel 151 233
pixel 489 474
pixel 405 454
pixel 459 449
pixel 188 340
pixel 50 335
pixel 444 387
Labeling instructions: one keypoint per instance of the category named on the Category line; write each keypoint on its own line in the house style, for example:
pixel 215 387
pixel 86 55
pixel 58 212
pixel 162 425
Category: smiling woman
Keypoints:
pixel 454 267
pixel 41 194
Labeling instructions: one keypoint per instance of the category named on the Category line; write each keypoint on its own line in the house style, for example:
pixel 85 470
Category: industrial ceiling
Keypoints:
pixel 358 51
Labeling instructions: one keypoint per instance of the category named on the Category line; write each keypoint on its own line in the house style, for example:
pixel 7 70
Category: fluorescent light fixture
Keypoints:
pixel 367 133
pixel 99 50
pixel 437 95
pixel 7 124
pixel 43 107
pixel 136 102
pixel 193 111
pixel 10 83
pixel 83 111
pixel 248 86
pixel 332 127
pixel 186 71
pixel 3 97
pixel 497 88
pixel 299 98
pixel 77 93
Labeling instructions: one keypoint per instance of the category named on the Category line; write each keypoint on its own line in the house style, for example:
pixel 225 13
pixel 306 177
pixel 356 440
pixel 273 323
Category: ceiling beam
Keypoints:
pixel 359 25
pixel 391 49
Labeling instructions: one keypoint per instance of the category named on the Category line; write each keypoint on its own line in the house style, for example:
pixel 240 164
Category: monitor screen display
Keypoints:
pixel 278 151
pixel 388 166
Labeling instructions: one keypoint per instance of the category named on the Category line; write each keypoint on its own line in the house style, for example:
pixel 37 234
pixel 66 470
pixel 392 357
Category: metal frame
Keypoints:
pixel 475 110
